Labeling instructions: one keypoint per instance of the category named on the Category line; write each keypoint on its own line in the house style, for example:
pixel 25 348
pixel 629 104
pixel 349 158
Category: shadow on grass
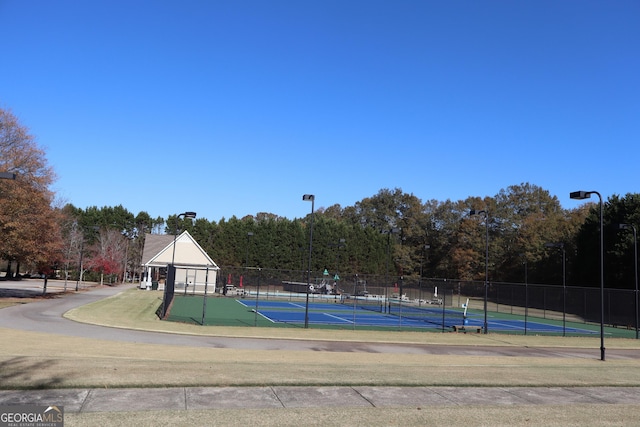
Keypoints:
pixel 24 374
pixel 28 293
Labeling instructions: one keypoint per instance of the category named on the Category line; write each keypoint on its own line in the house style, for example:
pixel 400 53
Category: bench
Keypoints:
pixel 465 328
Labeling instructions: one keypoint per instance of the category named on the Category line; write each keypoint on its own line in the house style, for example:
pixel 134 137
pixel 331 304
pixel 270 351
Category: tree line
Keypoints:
pixel 392 232
pixel 395 233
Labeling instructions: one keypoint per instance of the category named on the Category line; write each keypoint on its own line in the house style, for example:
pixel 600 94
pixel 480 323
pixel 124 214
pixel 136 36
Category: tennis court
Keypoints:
pixel 355 313
pixel 395 315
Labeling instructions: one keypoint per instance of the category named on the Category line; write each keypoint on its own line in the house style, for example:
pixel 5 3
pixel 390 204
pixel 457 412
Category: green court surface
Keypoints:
pixel 220 311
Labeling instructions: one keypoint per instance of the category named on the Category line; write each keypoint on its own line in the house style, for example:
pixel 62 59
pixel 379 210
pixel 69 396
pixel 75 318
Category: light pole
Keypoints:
pixel 309 198
pixel 635 263
pixel 388 232
pixel 486 261
pixel 526 291
pixel 581 195
pixel 246 265
pixel 249 236
pixel 424 249
pixel 255 318
pixel 80 266
pixel 126 255
pixel 190 215
pixel 560 245
pixel 341 244
pixel 81 269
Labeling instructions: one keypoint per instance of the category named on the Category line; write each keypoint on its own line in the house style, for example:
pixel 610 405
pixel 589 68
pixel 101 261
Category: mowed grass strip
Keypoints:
pixel 39 360
pixel 470 415
pixel 136 309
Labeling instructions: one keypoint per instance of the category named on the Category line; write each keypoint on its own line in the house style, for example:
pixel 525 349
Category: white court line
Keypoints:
pixel 296 305
pixel 264 317
pixel 338 318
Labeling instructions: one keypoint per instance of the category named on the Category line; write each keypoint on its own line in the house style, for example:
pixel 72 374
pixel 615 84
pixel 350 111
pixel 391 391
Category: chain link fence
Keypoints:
pixel 578 305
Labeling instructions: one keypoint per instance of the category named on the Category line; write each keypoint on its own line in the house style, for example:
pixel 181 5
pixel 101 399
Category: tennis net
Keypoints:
pixel 437 315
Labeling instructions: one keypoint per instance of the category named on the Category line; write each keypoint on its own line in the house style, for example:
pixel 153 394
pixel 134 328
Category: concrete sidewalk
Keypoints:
pixel 203 398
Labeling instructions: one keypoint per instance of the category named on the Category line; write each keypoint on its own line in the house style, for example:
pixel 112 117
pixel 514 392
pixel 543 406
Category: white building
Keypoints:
pixel 195 270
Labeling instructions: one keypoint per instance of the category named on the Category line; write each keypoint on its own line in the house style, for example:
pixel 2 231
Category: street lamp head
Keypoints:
pixel 393 230
pixel 7 175
pixel 580 195
pixel 477 212
pixel 190 215
pixel 624 226
pixel 554 245
pixel 308 197
pixel 250 234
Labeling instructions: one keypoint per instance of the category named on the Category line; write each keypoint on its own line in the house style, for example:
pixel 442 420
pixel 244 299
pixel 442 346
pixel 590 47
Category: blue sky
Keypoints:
pixel 238 107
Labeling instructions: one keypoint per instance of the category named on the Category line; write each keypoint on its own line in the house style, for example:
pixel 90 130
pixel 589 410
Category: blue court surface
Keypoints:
pixel 406 316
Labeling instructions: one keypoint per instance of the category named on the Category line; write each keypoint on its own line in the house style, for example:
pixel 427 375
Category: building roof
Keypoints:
pixel 153 244
pixel 158 251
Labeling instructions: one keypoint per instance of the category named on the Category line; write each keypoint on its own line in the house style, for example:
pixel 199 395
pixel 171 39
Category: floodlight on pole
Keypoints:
pixel 309 198
pixel 635 264
pixel 486 261
pixel 7 175
pixel 560 245
pixel 190 215
pixel 581 195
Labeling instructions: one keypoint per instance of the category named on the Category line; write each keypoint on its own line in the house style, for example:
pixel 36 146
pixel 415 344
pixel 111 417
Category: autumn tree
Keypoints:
pixel 29 225
pixel 526 217
pixel 82 238
pixel 108 253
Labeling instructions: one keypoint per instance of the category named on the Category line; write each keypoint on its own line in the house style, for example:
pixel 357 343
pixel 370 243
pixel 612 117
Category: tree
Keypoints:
pixel 29 225
pixel 107 254
pixel 381 211
pixel 80 234
pixel 521 219
pixel 618 245
pixel 620 268
pixel 525 217
pixel 391 209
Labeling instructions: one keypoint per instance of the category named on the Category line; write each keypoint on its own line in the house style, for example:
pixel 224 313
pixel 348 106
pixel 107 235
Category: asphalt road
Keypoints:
pixel 46 315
